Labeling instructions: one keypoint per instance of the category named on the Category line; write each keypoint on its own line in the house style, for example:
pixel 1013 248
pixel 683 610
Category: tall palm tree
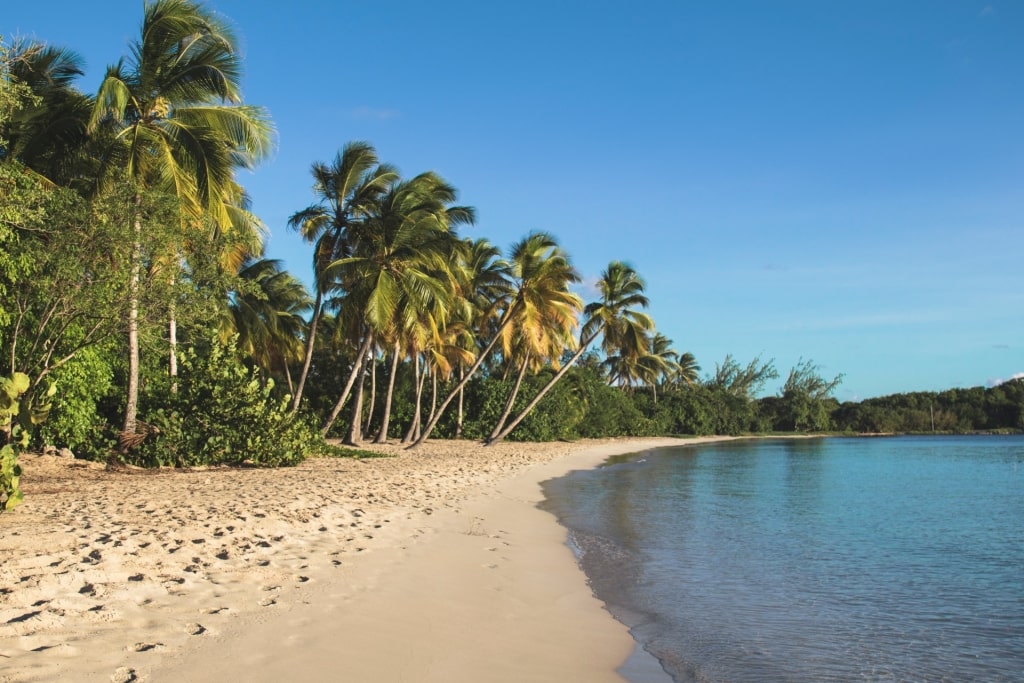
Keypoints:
pixel 174 111
pixel 399 272
pixel 542 273
pixel 347 191
pixel 615 316
pixel 485 286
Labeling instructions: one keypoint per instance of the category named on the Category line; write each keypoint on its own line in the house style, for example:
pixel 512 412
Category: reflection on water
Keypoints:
pixel 812 560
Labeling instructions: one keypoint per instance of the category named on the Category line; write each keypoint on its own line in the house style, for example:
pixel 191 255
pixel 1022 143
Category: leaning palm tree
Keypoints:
pixel 175 114
pixel 347 190
pixel 615 316
pixel 542 273
pixel 537 338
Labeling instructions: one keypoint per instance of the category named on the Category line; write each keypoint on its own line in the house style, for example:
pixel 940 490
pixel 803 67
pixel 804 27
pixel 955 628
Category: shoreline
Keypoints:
pixel 431 565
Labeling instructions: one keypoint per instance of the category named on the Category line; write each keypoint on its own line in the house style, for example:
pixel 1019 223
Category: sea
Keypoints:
pixel 819 559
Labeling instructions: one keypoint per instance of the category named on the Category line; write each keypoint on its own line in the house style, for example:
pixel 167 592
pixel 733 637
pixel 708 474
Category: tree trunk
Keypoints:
pixel 131 408
pixel 458 422
pixel 433 392
pixel 414 425
pixel 172 342
pixel 288 376
pixel 373 393
pixel 317 305
pixel 382 435
pixel 547 387
pixel 355 428
pixel 356 369
pixel 511 400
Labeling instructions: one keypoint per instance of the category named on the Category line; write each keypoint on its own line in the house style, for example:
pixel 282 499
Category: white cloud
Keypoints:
pixel 587 288
pixel 997 382
pixel 987 11
pixel 374 113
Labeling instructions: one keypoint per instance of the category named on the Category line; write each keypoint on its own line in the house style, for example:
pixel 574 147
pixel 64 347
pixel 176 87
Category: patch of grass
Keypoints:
pixel 328 450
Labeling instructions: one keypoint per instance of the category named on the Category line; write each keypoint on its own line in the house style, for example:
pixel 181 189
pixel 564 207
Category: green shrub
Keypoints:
pixel 222 413
pixel 75 420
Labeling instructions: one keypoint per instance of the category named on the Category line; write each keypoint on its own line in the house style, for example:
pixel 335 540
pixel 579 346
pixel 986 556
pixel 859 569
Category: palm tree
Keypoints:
pixel 542 272
pixel 645 365
pixel 266 314
pixel 614 315
pixel 484 281
pixel 398 274
pixel 47 133
pixel 347 190
pixel 175 115
pixel 537 337
pixel 689 370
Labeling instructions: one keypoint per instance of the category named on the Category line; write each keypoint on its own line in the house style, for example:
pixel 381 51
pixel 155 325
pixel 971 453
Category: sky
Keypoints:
pixel 840 182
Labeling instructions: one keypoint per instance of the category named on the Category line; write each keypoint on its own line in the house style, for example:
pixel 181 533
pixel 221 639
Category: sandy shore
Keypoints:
pixel 432 565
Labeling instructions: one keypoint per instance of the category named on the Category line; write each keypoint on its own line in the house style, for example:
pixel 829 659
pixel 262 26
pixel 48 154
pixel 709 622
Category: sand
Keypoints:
pixel 431 565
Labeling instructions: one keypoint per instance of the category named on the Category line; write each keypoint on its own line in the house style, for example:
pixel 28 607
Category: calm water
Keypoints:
pixel 885 559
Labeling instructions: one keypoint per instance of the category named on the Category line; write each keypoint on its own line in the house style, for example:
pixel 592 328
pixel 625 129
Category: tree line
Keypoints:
pixel 141 323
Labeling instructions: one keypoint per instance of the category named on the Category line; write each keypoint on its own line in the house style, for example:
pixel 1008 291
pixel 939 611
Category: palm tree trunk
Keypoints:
pixel 356 369
pixel 458 422
pixel 355 428
pixel 547 387
pixel 511 400
pixel 373 393
pixel 382 435
pixel 288 377
pixel 413 430
pixel 317 304
pixel 172 341
pixel 131 408
pixel 433 392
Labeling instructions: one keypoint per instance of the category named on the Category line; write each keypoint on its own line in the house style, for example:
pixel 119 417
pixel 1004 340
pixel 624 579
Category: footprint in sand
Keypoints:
pixel 195 629
pixel 144 647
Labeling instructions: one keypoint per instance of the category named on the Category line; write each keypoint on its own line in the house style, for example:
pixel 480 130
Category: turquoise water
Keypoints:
pixel 865 559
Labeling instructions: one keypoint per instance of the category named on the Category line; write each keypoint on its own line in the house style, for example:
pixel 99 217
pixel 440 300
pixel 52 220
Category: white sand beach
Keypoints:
pixel 431 565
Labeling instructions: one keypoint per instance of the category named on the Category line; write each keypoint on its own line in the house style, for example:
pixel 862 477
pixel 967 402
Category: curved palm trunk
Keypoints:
pixel 356 369
pixel 414 426
pixel 510 402
pixel 458 387
pixel 317 304
pixel 288 377
pixel 355 428
pixel 547 387
pixel 382 435
pixel 131 407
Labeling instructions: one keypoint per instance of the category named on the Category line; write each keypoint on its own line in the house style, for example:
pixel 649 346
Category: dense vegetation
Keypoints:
pixel 132 282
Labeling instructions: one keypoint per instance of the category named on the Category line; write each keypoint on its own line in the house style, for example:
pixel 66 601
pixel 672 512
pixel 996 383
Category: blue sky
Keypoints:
pixel 835 181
